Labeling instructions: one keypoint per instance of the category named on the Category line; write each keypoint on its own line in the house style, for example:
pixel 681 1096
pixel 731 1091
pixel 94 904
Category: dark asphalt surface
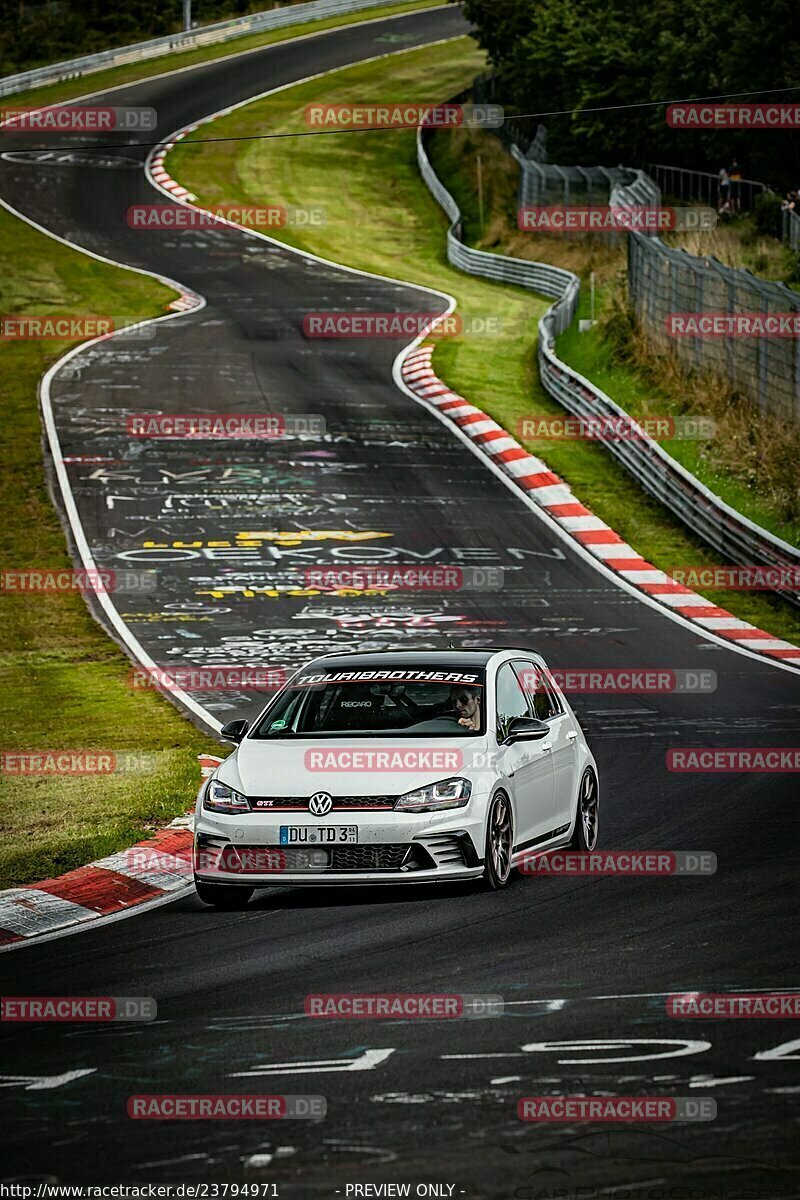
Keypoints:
pixel 575 960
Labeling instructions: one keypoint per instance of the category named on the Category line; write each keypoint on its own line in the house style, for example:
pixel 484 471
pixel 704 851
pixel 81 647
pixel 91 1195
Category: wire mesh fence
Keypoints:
pixel 667 285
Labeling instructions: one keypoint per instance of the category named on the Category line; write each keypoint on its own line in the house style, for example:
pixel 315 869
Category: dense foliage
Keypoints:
pixel 576 55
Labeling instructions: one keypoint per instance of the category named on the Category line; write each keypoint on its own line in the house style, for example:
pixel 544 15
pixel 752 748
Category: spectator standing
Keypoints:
pixel 724 191
pixel 735 174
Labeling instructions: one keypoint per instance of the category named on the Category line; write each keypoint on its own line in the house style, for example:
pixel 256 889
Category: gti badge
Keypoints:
pixel 320 804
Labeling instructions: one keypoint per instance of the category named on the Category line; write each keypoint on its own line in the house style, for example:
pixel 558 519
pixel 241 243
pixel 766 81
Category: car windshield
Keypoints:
pixel 421 701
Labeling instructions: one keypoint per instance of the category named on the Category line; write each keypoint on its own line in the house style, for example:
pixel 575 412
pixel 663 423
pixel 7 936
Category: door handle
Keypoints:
pixel 547 747
pixel 572 735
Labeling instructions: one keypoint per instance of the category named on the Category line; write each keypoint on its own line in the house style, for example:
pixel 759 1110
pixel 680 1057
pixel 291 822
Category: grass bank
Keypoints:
pixel 63 682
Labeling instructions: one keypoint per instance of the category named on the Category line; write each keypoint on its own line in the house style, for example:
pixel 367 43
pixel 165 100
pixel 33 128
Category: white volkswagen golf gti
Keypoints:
pixel 404 767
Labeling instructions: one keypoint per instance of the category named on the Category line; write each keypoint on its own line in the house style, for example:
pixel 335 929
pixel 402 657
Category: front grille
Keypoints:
pixel 340 803
pixel 367 858
pixel 261 860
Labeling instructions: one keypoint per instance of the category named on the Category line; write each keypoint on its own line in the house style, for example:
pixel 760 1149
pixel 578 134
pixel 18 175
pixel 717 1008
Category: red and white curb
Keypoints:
pixel 550 492
pixel 148 871
pixel 188 300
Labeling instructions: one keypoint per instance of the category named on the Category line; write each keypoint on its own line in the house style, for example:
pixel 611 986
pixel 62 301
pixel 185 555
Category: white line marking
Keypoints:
pixel 703 1081
pixel 682 1046
pixel 784 1052
pixel 43 1083
pixel 367 1061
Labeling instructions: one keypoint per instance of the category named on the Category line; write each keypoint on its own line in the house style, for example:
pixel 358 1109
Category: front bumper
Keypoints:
pixel 392 848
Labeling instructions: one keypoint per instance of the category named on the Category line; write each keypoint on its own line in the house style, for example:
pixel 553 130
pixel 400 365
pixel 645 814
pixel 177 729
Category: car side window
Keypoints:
pixel 536 685
pixel 511 700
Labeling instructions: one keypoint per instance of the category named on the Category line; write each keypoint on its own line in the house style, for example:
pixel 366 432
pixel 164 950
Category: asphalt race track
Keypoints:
pixel 576 960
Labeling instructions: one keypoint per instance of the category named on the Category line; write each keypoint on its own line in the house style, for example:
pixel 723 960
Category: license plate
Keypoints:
pixel 318 835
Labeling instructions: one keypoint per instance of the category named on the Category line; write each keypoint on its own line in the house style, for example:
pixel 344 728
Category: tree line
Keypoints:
pixel 626 59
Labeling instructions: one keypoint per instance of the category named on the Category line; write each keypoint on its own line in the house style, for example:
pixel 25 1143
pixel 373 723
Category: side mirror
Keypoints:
pixel 234 731
pixel 526 729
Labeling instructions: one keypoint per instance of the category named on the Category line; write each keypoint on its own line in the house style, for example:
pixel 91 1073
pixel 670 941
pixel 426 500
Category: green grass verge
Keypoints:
pixel 98 81
pixel 381 218
pixel 63 682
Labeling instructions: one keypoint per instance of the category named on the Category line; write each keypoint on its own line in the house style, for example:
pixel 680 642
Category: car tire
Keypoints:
pixel 584 835
pixel 222 895
pixel 499 843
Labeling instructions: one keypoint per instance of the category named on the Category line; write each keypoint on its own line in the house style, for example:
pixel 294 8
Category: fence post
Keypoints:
pixel 763 365
pixel 698 304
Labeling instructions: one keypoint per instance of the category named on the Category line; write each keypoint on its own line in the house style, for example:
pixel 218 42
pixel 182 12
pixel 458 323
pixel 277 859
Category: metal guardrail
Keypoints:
pixel 688 185
pixel 547 183
pixel 208 35
pixel 539 277
pixel 791 228
pixel 720 526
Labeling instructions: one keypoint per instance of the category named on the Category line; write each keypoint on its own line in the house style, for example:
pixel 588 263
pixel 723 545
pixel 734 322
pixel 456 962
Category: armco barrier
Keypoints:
pixel 208 35
pixel 719 525
pixel 539 277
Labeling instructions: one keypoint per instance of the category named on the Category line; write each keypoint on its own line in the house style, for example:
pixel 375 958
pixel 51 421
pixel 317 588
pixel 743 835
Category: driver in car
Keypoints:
pixel 467 703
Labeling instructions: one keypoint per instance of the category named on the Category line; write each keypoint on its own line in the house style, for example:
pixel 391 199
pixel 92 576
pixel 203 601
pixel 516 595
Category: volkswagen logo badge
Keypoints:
pixel 320 804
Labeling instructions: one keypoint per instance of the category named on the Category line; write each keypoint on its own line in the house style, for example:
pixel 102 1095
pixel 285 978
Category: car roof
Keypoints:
pixel 411 658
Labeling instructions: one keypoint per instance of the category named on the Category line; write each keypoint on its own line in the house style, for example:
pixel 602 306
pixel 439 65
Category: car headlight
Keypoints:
pixel 448 793
pixel 221 798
